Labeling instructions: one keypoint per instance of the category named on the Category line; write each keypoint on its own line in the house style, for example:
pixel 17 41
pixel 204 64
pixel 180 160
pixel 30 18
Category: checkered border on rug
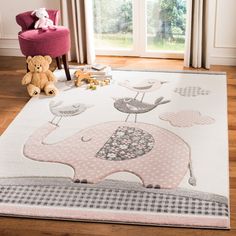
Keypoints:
pixel 82 196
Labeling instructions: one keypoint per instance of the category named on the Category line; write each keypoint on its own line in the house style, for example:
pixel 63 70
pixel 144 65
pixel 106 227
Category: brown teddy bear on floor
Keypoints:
pixel 39 76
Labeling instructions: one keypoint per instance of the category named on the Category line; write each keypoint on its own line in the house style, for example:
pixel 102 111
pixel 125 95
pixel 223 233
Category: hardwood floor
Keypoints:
pixel 13 97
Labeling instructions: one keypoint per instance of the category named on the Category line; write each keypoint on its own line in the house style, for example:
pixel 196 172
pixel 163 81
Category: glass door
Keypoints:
pixel 165 27
pixel 113 26
pixel 146 28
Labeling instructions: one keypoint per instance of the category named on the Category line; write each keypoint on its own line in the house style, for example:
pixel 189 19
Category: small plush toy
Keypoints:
pixel 43 22
pixel 39 76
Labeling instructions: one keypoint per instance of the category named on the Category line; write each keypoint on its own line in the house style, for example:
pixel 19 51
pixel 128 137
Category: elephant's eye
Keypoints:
pixel 85 140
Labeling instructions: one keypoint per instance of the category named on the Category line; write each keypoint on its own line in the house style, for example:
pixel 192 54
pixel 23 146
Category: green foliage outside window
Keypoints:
pixel 166 23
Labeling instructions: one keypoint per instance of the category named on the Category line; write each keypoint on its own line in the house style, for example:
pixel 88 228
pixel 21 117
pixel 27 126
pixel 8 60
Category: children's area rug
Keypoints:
pixel 150 148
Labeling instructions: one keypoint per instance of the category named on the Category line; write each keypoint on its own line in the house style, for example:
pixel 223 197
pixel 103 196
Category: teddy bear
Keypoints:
pixel 43 22
pixel 39 76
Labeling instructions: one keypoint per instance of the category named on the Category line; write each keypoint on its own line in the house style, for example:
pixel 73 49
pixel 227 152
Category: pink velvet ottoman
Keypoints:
pixel 55 43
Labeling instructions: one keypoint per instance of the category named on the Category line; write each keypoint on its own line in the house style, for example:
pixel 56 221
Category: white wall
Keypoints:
pixel 8 27
pixel 222 40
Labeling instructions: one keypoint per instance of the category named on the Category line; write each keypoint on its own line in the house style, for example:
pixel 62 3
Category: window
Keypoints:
pixel 153 28
pixel 113 24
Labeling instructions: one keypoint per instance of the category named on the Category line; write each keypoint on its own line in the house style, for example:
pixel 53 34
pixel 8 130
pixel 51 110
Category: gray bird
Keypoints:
pixel 65 111
pixel 145 86
pixel 133 106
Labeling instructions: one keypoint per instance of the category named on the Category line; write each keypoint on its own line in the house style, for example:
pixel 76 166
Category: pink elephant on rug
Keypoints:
pixel 157 156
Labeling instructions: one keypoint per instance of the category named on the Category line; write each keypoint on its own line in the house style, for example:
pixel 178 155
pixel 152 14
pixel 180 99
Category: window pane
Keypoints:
pixel 166 23
pixel 113 24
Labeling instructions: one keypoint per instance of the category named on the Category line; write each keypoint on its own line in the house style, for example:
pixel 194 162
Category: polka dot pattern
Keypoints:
pixel 191 91
pixel 165 165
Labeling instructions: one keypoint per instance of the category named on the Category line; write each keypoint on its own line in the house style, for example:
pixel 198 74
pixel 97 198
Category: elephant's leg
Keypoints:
pixel 87 178
pixel 153 175
pixel 87 172
pixel 94 171
pixel 148 174
pixel 150 182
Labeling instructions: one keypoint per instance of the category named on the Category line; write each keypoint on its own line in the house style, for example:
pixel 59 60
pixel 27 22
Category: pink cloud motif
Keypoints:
pixel 186 118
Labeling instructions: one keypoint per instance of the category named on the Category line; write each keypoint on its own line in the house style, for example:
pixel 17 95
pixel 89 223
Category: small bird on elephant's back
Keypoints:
pixel 133 106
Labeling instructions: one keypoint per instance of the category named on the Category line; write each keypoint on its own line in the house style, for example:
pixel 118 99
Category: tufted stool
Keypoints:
pixel 55 43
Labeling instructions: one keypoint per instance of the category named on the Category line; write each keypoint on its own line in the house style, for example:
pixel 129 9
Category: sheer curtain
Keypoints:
pixel 196 47
pixel 77 15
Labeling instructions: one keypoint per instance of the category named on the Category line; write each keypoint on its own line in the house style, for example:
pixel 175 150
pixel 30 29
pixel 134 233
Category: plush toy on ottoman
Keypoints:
pixel 39 76
pixel 43 22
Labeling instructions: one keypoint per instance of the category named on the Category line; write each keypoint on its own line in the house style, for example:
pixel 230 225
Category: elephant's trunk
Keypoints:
pixel 36 149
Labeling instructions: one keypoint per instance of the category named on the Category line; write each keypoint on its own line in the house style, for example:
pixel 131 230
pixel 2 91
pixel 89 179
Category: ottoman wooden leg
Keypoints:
pixel 58 60
pixel 66 67
pixel 27 69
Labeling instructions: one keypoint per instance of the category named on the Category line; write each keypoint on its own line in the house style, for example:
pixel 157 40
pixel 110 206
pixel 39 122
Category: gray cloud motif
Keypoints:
pixel 191 91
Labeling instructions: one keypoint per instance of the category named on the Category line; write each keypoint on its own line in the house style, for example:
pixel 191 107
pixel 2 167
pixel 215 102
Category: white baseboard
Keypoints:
pixel 10 52
pixel 224 60
pixel 9 46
